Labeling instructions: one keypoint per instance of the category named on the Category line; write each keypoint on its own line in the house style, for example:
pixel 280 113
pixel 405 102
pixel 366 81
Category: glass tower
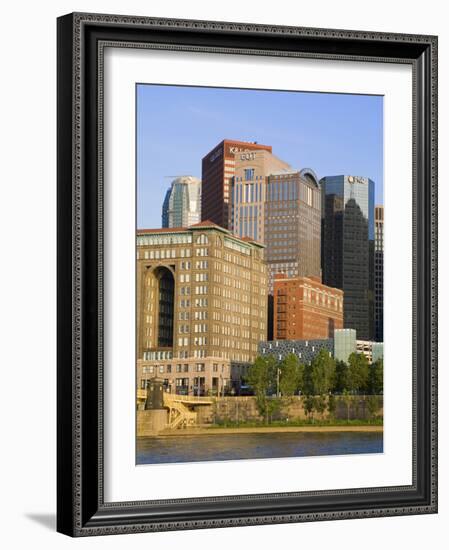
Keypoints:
pixel 347 249
pixel 345 343
pixel 182 203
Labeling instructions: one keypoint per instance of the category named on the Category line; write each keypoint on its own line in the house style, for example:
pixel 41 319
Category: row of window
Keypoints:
pixel 197 341
pixel 199 277
pixel 157 355
pixel 151 369
pixel 238 247
pixel 199 302
pixel 157 240
pixel 247 192
pixel 162 254
pixel 220 352
pixel 166 254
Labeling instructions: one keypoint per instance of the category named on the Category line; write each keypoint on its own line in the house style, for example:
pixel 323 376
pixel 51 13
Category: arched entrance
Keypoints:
pixel 165 309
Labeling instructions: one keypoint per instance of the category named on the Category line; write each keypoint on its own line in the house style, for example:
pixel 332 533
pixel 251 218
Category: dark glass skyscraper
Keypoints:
pixel 347 247
pixel 379 272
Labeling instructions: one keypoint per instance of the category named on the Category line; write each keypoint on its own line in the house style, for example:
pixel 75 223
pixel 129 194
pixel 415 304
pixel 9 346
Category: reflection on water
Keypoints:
pixel 195 448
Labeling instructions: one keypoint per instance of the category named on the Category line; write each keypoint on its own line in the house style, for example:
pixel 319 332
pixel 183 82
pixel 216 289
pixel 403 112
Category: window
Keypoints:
pixel 201 289
pixel 249 174
pixel 202 239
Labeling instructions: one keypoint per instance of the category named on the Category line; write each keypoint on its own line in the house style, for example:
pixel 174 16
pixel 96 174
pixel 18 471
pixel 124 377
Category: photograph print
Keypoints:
pixel 259 274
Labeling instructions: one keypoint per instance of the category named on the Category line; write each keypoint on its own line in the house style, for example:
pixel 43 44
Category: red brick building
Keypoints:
pixel 305 309
pixel 218 168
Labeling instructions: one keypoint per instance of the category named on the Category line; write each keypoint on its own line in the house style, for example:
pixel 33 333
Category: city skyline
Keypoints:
pixel 177 125
pixel 255 263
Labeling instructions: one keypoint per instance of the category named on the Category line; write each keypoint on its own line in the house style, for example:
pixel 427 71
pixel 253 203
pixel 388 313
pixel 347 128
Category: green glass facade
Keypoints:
pixel 345 343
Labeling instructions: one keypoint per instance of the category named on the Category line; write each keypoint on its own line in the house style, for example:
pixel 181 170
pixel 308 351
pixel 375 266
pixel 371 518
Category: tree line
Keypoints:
pixel 273 381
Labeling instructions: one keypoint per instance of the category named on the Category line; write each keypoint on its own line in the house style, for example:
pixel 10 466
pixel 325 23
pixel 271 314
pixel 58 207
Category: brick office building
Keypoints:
pixel 218 168
pixel 305 309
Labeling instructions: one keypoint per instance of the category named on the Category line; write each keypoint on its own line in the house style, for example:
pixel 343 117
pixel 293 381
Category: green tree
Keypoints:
pixel 291 376
pixel 318 381
pixel 262 378
pixel 309 405
pixel 322 373
pixel 341 376
pixel 373 404
pixel 346 398
pixel 358 372
pixel 376 378
pixel 320 403
pixel 273 405
pixel 331 405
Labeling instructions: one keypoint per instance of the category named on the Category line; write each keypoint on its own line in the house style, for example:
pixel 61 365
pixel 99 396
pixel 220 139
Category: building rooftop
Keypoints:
pixel 286 171
pixel 202 224
pixel 238 142
pixel 209 223
pixel 205 224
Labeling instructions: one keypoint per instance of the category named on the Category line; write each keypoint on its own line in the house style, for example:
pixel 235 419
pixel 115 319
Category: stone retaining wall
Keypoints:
pixel 244 409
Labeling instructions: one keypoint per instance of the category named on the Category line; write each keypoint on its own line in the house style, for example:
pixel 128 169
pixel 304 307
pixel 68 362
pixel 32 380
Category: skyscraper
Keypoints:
pixel 182 203
pixel 248 192
pixel 293 225
pixel 347 252
pixel 379 272
pixel 217 173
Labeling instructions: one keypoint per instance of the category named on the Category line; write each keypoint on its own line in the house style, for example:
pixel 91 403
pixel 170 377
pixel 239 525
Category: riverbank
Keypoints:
pixel 270 429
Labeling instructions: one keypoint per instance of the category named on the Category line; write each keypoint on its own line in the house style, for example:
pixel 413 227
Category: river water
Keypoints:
pixel 197 448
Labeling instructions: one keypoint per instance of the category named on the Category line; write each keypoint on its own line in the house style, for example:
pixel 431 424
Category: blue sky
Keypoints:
pixel 177 125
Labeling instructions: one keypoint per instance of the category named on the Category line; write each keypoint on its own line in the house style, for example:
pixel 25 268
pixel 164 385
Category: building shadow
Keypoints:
pixel 46 520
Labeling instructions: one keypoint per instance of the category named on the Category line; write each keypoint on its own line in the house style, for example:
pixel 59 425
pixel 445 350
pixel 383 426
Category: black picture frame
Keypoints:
pixel 81 510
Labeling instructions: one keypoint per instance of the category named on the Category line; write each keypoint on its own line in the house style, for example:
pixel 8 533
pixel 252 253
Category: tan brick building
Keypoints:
pixel 305 309
pixel 201 306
